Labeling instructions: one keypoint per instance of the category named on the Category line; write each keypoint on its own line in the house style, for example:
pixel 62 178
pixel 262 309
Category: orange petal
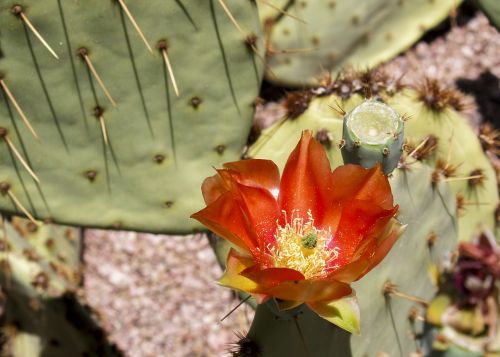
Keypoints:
pixel 212 188
pixel 376 189
pixel 394 230
pixel 378 248
pixel 270 277
pixel 261 298
pixel 310 290
pixel 331 218
pixel 352 182
pixel 305 184
pixel 224 217
pixel 261 213
pixel 357 220
pixel 256 173
pixel 287 305
pixel 256 209
pixel 355 182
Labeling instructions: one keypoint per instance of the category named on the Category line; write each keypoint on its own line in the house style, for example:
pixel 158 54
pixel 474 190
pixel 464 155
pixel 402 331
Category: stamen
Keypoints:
pixel 303 247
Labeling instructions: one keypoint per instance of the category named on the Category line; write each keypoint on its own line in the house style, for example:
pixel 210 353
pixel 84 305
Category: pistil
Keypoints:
pixel 303 247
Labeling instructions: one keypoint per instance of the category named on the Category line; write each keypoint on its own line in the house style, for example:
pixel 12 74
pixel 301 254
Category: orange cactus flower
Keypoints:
pixel 306 237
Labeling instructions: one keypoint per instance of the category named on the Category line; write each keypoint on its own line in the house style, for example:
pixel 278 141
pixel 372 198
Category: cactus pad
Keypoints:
pixel 332 35
pixel 39 261
pixel 40 276
pixel 137 165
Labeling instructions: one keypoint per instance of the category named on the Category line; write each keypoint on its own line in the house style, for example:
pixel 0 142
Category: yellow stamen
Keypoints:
pixel 303 247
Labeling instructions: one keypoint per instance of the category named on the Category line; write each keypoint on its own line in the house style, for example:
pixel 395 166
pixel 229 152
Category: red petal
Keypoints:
pixel 379 246
pixel 357 220
pixel 270 277
pixel 331 218
pixel 351 182
pixel 310 290
pixel 212 188
pixel 305 184
pixel 384 244
pixel 261 212
pixel 256 173
pixel 242 273
pixel 224 217
pixel 355 182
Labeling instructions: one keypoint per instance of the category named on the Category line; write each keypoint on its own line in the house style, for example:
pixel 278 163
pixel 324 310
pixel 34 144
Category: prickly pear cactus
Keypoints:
pixel 40 274
pixel 39 261
pixel 446 142
pixel 458 157
pixel 391 296
pixel 327 36
pixel 98 136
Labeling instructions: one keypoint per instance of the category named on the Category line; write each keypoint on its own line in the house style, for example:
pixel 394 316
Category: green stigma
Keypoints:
pixel 309 241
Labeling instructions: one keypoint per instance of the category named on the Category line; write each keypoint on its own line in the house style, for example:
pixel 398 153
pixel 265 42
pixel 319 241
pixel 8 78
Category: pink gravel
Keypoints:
pixel 157 296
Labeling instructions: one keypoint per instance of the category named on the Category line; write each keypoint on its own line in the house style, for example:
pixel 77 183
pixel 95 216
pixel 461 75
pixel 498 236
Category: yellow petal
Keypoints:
pixel 235 264
pixel 437 308
pixel 342 312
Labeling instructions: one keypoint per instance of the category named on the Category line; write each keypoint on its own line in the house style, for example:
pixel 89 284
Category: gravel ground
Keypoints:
pixel 156 294
pixel 463 53
pixel 467 58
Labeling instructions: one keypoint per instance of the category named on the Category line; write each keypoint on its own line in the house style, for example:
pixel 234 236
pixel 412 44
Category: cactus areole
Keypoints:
pixel 306 237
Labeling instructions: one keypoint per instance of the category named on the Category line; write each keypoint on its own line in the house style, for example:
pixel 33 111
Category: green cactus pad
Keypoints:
pixel 269 10
pixel 160 147
pixel 41 261
pixel 491 8
pixel 281 338
pixel 373 133
pixel 456 141
pixel 40 274
pixel 335 34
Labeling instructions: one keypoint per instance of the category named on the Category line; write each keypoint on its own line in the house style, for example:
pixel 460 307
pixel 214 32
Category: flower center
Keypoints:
pixel 303 247
pixel 310 241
